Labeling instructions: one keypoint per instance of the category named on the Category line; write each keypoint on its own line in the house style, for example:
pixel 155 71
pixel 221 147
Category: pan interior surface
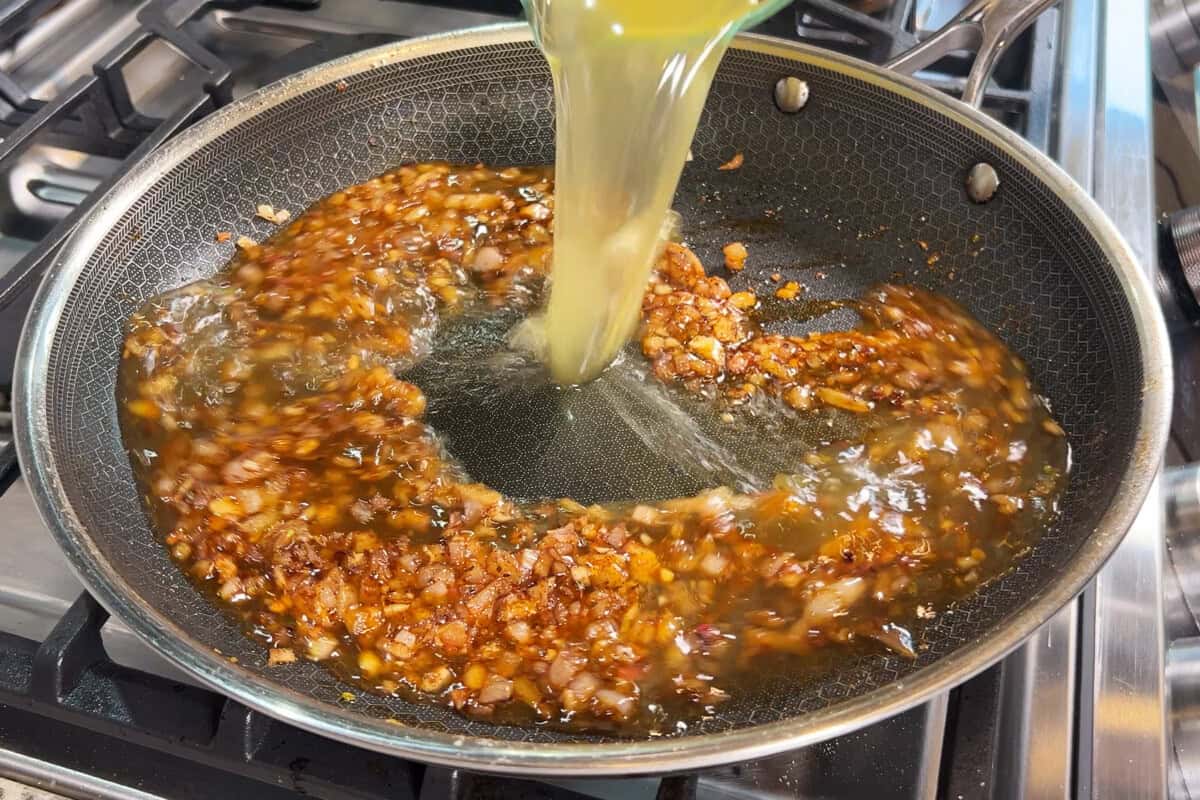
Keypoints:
pixel 863 185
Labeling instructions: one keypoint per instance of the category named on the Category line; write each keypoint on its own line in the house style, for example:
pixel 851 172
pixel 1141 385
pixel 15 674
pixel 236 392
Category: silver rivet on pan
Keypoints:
pixel 982 182
pixel 791 94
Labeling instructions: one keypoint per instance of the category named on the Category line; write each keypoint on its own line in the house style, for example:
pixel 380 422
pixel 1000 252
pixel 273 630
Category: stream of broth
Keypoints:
pixel 630 81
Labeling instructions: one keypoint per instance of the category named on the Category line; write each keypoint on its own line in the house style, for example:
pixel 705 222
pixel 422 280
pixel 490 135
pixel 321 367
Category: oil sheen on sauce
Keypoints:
pixel 630 80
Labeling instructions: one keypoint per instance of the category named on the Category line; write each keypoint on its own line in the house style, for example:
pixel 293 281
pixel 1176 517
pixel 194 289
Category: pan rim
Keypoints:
pixel 635 757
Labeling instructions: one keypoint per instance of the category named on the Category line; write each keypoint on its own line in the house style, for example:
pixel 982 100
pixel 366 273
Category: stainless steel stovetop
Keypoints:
pixel 1078 711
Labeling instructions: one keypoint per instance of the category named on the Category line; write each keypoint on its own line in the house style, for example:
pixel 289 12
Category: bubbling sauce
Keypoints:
pixel 630 80
pixel 291 474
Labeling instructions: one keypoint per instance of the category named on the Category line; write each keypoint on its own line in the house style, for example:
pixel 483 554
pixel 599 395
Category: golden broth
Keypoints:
pixel 630 80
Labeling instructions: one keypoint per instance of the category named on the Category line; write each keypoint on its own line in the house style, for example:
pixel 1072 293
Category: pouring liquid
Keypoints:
pixel 630 81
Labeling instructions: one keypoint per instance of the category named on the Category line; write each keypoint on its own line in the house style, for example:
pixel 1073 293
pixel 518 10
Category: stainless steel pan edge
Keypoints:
pixel 626 758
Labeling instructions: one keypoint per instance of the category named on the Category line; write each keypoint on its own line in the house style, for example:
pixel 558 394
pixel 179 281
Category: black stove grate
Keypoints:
pixel 1022 86
pixel 97 115
pixel 65 702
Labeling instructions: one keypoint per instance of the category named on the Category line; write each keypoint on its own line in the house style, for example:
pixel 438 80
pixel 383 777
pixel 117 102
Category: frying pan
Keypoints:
pixel 866 181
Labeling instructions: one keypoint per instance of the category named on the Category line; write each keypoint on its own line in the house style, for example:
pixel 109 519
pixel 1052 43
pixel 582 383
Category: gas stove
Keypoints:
pixel 88 87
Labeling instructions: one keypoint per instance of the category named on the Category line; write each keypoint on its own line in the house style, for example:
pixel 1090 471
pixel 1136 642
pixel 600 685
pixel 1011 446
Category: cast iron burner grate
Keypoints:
pixel 1022 86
